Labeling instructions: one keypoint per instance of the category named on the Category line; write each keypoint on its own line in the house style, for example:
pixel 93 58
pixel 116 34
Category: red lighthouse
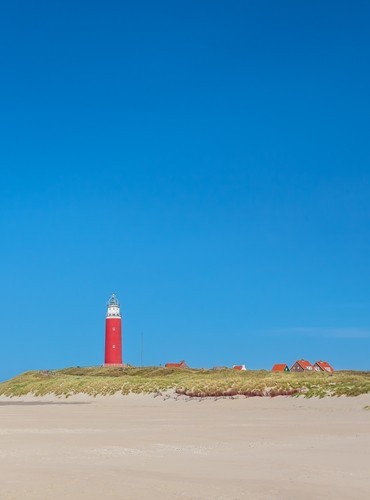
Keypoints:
pixel 113 334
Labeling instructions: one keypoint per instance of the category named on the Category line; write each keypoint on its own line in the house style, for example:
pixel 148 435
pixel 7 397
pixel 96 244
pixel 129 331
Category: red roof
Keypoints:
pixel 279 367
pixel 239 367
pixel 182 364
pixel 306 365
pixel 324 366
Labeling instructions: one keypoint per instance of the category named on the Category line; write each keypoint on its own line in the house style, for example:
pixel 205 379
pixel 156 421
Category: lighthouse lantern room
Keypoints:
pixel 113 333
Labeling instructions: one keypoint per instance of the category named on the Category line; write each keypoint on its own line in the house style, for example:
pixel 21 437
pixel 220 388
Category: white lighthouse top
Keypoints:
pixel 113 308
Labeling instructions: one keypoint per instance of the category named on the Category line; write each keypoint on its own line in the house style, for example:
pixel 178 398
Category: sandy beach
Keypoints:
pixel 141 447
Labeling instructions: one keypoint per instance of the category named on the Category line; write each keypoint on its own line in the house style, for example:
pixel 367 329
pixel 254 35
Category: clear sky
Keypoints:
pixel 207 161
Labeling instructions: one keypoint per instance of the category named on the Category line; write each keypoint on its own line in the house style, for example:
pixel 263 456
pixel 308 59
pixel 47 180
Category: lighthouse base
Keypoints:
pixel 114 365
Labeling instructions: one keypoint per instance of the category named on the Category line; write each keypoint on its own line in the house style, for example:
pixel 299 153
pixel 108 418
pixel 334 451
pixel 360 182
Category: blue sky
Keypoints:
pixel 207 161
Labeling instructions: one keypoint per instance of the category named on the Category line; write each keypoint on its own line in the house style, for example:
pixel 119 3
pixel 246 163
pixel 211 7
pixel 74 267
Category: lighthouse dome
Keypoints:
pixel 113 308
pixel 113 301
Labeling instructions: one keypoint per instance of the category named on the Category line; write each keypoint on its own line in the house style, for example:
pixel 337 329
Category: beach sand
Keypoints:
pixel 141 447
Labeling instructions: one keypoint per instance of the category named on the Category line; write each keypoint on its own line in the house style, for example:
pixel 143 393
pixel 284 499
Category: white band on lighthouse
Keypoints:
pixel 113 312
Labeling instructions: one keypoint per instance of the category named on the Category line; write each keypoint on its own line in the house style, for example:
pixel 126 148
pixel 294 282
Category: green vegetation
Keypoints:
pixel 188 382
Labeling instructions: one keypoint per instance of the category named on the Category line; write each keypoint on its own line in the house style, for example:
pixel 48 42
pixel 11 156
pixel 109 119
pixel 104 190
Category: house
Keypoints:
pixel 239 367
pixel 301 365
pixel 280 368
pixel 323 366
pixel 182 364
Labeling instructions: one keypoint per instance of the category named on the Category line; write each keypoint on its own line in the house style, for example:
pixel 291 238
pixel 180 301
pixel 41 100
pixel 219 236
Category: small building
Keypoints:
pixel 239 367
pixel 280 368
pixel 323 366
pixel 182 364
pixel 301 365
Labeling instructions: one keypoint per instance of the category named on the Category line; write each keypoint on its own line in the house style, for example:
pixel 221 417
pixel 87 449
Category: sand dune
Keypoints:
pixel 140 447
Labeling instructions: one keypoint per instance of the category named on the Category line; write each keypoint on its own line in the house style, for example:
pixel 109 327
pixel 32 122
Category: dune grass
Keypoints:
pixel 194 383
